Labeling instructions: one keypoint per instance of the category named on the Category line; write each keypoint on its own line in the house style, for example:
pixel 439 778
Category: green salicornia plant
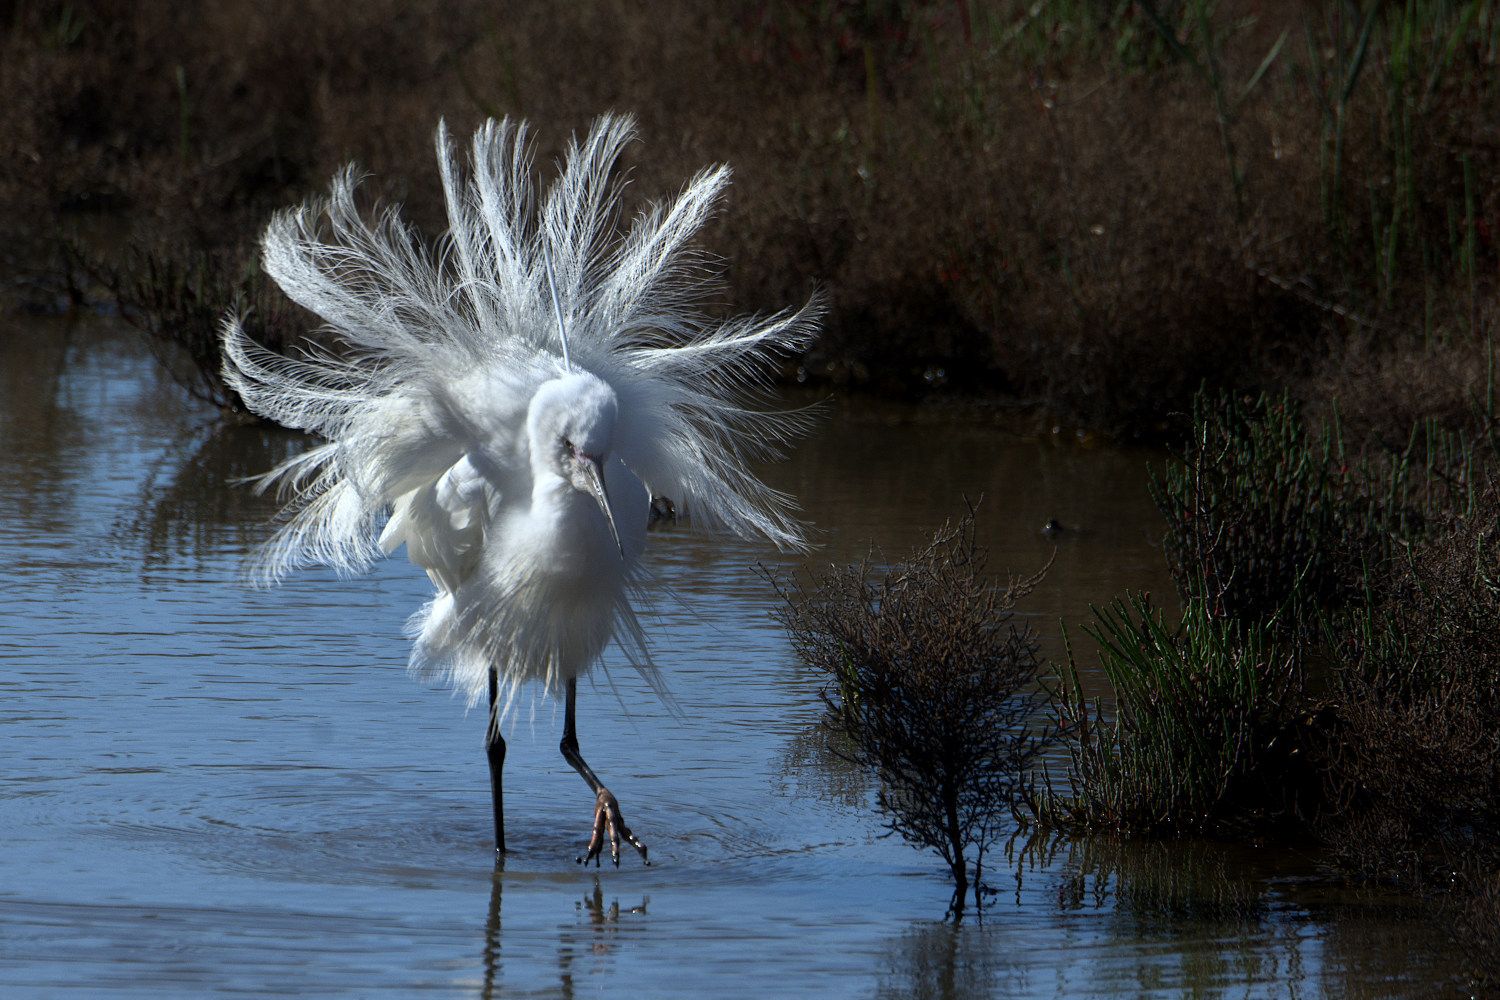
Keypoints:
pixel 1195 704
pixel 1268 519
pixel 1252 509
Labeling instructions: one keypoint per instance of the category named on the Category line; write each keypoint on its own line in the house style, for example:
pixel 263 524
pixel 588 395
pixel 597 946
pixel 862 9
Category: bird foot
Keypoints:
pixel 607 818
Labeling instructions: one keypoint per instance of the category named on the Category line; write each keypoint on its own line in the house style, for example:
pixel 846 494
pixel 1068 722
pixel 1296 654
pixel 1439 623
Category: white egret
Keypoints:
pixel 506 405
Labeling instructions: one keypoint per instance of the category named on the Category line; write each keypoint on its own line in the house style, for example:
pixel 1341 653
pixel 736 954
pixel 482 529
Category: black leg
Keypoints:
pixel 569 745
pixel 607 816
pixel 494 749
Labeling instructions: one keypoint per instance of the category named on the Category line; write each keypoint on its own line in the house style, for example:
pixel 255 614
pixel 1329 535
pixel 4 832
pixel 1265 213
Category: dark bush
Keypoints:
pixel 180 304
pixel 1415 771
pixel 933 683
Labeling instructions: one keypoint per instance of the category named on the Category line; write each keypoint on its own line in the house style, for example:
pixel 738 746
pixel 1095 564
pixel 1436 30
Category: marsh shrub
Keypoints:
pixel 1335 661
pixel 1416 766
pixel 1257 526
pixel 932 681
pixel 1195 705
pixel 179 304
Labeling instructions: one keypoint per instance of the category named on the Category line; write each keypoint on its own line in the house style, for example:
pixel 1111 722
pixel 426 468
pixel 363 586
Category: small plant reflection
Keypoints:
pixel 948 961
pixel 815 764
pixel 179 301
pixel 187 503
pixel 1231 923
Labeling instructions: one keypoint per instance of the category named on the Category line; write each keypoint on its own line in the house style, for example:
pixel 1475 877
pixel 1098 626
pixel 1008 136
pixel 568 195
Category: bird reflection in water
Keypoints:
pixel 602 922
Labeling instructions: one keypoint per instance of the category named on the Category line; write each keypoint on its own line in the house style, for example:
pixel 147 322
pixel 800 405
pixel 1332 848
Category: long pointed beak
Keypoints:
pixel 593 472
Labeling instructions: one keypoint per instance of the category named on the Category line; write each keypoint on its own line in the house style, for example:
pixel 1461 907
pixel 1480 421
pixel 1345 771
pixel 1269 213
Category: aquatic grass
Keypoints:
pixel 1404 212
pixel 1269 518
pixel 1194 706
pixel 1335 669
pixel 1256 526
pixel 1206 59
pixel 1288 549
pixel 932 685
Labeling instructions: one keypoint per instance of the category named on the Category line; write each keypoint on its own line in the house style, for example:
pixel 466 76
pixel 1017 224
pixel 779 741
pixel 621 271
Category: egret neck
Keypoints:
pixel 570 427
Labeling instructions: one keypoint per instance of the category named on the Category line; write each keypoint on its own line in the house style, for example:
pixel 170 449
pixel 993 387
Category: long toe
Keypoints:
pixel 608 820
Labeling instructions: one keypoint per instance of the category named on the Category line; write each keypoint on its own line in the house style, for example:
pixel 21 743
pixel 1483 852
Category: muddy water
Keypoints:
pixel 207 789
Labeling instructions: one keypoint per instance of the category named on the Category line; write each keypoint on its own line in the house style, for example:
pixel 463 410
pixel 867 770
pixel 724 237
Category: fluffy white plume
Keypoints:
pixel 423 402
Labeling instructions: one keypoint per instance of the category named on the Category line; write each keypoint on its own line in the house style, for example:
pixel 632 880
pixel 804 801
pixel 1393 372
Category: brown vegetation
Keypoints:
pixel 1417 759
pixel 1055 205
pixel 1335 671
pixel 933 684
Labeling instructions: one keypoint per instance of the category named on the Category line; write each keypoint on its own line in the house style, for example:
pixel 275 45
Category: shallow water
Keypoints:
pixel 209 789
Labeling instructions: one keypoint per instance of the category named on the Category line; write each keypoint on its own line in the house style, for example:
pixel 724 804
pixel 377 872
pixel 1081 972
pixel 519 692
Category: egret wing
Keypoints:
pixel 443 524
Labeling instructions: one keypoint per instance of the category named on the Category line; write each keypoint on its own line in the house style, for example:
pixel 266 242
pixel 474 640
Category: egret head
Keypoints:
pixel 571 426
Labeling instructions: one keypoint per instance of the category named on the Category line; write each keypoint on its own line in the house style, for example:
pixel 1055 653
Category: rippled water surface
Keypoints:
pixel 209 789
